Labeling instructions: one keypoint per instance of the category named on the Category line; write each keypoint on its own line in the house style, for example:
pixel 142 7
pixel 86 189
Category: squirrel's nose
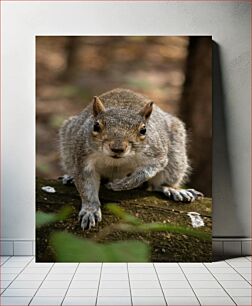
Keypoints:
pixel 119 147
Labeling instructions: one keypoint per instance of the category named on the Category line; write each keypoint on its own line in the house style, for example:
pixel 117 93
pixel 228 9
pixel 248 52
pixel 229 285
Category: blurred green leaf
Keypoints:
pixel 160 227
pixel 120 213
pixel 137 225
pixel 69 248
pixel 46 218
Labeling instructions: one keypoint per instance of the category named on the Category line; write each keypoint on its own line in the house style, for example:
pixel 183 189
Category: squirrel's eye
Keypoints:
pixel 143 130
pixel 97 127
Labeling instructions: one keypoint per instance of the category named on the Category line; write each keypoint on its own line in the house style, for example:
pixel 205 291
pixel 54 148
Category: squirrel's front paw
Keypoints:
pixel 116 185
pixel 89 216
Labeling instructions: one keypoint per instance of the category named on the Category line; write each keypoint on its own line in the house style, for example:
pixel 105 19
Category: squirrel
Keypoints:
pixel 123 137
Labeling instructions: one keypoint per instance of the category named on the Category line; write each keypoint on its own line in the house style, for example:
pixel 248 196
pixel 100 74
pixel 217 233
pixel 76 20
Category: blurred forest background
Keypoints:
pixel 174 71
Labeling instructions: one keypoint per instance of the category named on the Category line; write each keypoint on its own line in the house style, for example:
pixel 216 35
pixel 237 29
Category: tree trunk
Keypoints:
pixel 196 111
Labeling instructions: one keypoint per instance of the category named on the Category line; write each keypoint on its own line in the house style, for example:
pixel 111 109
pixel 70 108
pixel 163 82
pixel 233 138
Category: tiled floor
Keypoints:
pixel 24 282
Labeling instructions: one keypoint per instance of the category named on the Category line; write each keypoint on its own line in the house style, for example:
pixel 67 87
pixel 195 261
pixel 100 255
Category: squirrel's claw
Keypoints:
pixel 182 195
pixel 89 217
pixel 66 179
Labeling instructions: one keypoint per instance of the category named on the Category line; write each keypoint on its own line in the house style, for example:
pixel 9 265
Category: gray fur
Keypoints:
pixel 159 157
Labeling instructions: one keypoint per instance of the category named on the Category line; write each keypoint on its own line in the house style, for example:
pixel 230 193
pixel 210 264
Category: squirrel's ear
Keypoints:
pixel 98 107
pixel 147 110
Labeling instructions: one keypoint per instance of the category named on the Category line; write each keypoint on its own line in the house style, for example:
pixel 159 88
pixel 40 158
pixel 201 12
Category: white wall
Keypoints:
pixel 227 22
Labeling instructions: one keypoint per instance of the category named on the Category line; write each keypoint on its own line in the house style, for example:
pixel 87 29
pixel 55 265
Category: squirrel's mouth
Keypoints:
pixel 116 156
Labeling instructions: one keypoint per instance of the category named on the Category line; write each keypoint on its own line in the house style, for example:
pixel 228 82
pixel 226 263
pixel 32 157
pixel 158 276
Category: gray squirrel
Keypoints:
pixel 123 137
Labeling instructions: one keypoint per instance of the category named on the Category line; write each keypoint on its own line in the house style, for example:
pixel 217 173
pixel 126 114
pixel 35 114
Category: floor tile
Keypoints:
pixel 85 284
pixel 29 276
pixel 146 292
pixel 178 292
pixel 221 270
pixel 147 300
pixel 191 264
pixel 239 291
pixel 19 292
pixel 147 270
pixel 169 270
pixel 140 264
pixel 32 270
pixel 216 264
pixel 63 269
pixel 8 276
pixel 21 258
pixel 166 264
pixel 87 277
pixel 196 270
pixel 5 283
pixel 114 264
pixel 14 264
pixel 172 276
pixel 229 276
pixel 175 284
pixel 241 264
pixel 51 292
pixel 104 300
pixel 204 284
pixel 114 292
pixel 144 284
pixel 10 270
pixel 25 284
pixel 3 259
pixel 220 300
pixel 243 300
pixel 236 259
pixel 80 300
pixel 115 269
pixel 140 276
pixel 65 265
pixel 210 292
pixel 92 264
pixel 112 277
pixel 114 284
pixel 55 284
pixel 248 277
pixel 242 270
pixel 88 270
pixel 15 300
pixel 200 276
pixel 82 292
pixel 40 265
pixel 59 277
pixel 235 284
pixel 189 300
pixel 47 300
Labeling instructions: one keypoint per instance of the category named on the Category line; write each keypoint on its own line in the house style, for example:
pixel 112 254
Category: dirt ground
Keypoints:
pixel 147 206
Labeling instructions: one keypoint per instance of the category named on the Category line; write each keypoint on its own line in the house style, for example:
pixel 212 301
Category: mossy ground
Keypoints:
pixel 147 206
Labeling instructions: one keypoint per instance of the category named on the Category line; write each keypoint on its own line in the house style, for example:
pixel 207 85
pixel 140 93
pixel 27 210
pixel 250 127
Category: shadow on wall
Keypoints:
pixel 226 221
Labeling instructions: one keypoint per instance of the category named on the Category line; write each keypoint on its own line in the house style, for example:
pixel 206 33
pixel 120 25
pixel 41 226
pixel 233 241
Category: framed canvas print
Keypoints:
pixel 123 148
